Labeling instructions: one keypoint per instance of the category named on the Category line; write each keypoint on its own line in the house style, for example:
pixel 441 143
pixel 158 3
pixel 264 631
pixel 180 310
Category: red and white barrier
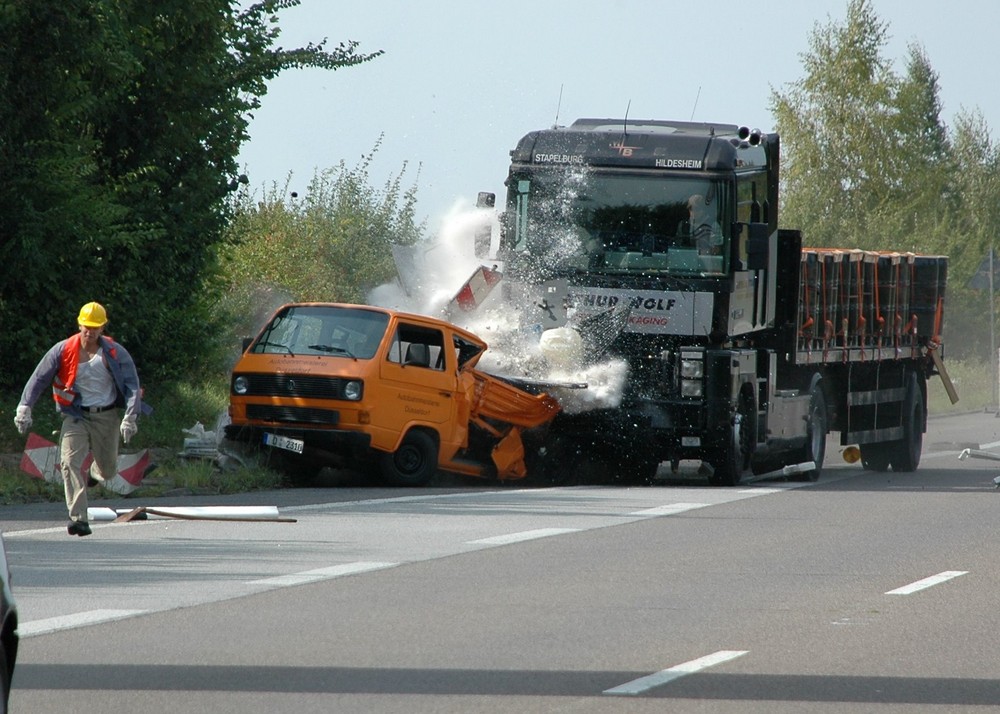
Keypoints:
pixel 41 460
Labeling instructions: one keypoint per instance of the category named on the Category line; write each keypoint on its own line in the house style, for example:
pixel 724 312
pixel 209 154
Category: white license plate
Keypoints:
pixel 283 442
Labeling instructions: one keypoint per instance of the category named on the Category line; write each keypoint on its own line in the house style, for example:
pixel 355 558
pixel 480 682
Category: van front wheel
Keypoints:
pixel 413 463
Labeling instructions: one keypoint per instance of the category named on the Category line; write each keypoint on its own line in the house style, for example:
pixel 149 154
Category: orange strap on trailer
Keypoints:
pixel 859 286
pixel 879 320
pixel 806 301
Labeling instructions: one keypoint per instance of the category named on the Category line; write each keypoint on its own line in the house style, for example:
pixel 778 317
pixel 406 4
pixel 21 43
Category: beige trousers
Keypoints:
pixel 97 434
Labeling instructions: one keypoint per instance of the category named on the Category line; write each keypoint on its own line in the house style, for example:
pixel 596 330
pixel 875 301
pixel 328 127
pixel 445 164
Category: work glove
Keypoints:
pixel 129 428
pixel 23 418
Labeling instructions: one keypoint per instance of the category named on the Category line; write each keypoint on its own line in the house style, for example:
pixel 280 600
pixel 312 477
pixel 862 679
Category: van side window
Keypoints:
pixel 418 346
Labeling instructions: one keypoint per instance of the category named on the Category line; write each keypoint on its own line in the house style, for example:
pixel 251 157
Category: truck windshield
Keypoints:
pixel 586 220
pixel 324 329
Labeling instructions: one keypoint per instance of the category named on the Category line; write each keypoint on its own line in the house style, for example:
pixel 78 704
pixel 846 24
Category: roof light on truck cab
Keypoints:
pixel 240 384
pixel 353 390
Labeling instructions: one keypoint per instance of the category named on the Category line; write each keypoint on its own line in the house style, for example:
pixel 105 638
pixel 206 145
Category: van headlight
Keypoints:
pixel 241 384
pixel 353 390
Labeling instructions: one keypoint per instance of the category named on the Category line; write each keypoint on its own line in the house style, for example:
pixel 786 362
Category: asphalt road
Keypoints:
pixel 864 592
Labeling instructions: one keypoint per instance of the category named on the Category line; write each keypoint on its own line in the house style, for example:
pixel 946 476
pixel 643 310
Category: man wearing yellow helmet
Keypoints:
pixel 92 377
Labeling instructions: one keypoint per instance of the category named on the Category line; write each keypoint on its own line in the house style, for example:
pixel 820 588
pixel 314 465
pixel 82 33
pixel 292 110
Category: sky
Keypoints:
pixel 462 80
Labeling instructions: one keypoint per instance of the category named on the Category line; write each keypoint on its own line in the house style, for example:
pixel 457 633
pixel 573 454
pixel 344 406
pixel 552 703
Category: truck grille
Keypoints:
pixel 294 385
pixel 299 415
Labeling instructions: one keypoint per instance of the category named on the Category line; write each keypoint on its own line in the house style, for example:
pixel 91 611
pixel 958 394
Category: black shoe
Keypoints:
pixel 79 528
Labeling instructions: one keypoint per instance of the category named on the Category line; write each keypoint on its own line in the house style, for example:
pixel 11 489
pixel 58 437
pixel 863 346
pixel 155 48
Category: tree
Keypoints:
pixel 121 126
pixel 332 244
pixel 868 162
pixel 837 131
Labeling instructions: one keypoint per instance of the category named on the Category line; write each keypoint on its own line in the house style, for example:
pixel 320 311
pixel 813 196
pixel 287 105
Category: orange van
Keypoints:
pixel 331 384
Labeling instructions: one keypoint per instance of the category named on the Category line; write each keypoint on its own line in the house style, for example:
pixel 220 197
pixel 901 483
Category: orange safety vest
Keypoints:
pixel 69 360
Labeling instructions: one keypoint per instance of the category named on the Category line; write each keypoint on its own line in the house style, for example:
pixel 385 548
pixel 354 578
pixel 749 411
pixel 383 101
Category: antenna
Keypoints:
pixel 555 124
pixel 696 97
pixel 625 122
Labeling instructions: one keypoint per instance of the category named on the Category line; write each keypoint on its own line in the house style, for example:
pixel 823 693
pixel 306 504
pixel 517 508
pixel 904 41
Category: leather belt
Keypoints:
pixel 94 410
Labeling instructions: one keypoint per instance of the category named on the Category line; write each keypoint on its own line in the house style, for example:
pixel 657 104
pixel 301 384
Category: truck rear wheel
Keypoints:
pixel 413 463
pixel 904 455
pixel 875 457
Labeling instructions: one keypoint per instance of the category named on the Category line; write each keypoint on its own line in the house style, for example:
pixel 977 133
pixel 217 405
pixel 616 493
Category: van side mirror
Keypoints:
pixel 758 246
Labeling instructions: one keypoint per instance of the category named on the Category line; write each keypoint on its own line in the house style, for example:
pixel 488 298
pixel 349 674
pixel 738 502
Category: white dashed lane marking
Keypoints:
pixel 68 622
pixel 644 684
pixel 927 582
pixel 523 536
pixel 312 576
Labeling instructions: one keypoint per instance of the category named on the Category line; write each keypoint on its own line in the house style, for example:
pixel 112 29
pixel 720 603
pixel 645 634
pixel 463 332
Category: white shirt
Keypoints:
pixel 94 382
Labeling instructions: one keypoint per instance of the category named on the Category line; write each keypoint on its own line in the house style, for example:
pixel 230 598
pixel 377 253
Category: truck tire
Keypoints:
pixel 734 454
pixel 904 455
pixel 413 463
pixel 816 430
pixel 875 457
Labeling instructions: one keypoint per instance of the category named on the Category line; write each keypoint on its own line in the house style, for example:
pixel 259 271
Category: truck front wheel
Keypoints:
pixel 413 463
pixel 734 453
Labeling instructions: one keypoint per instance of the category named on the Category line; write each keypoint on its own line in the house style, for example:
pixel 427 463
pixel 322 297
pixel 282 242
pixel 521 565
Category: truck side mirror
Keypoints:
pixel 758 246
pixel 484 235
pixel 481 241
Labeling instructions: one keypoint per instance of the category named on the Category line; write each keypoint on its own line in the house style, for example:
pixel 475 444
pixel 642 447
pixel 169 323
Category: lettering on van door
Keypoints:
pixel 422 376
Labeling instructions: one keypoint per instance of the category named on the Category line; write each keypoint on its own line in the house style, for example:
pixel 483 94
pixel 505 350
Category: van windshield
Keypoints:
pixel 323 329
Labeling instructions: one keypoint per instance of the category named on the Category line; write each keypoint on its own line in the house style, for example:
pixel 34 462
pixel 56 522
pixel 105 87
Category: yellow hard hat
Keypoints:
pixel 92 315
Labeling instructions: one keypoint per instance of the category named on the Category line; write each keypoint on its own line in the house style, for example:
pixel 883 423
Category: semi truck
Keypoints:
pixel 379 390
pixel 743 348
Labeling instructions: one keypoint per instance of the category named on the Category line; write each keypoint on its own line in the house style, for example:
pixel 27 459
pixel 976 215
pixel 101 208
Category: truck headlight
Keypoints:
pixel 691 388
pixel 353 390
pixel 692 368
pixel 241 385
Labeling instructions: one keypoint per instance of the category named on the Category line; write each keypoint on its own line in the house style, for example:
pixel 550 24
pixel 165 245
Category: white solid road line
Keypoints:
pixel 644 684
pixel 522 536
pixel 312 576
pixel 927 582
pixel 68 622
pixel 670 509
